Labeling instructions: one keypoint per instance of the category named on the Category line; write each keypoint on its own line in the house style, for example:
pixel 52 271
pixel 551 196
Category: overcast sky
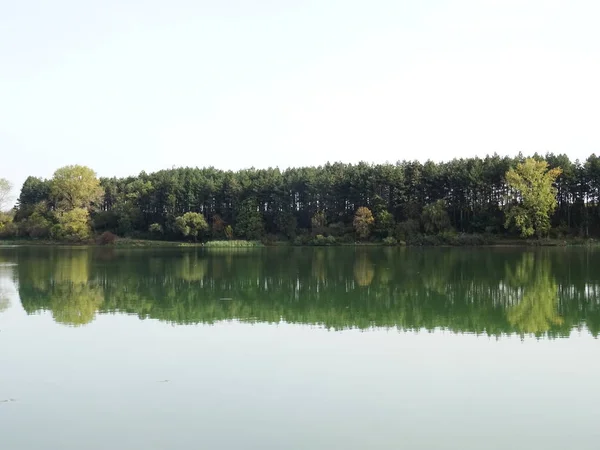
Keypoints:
pixel 125 85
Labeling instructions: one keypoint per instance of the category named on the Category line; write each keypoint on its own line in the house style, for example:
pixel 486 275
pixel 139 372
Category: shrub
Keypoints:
pixel 321 240
pixel 107 238
pixel 406 230
pixel 390 241
pixel 9 230
pixel 156 229
pixel 269 239
pixel 300 240
pixel 36 226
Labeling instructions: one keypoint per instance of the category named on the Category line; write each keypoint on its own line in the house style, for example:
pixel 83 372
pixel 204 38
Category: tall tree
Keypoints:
pixel 533 196
pixel 75 187
pixel 363 221
pixel 250 224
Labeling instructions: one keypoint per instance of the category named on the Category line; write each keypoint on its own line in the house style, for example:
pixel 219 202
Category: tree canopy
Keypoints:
pixel 407 200
pixel 191 224
pixel 75 187
pixel 533 196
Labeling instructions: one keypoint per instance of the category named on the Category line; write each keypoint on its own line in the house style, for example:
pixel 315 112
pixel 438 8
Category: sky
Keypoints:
pixel 128 85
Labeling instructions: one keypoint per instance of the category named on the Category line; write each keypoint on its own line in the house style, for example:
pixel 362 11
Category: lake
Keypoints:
pixel 299 348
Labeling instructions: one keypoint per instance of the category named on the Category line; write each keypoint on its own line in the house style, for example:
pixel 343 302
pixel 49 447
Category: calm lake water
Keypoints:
pixel 368 348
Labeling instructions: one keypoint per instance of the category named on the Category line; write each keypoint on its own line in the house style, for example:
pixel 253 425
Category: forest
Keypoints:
pixel 467 201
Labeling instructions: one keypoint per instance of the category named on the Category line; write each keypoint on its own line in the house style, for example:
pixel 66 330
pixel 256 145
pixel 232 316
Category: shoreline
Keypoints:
pixel 149 243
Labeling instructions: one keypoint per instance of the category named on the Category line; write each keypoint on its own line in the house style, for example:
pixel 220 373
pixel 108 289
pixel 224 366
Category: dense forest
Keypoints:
pixel 470 199
pixel 547 292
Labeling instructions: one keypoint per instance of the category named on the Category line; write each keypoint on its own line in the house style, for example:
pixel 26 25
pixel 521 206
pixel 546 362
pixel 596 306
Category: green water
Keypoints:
pixel 320 348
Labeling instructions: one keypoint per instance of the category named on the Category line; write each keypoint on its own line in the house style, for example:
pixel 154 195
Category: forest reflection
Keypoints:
pixel 482 291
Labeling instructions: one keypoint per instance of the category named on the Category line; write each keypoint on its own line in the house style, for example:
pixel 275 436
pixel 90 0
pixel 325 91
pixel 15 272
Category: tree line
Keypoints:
pixel 493 196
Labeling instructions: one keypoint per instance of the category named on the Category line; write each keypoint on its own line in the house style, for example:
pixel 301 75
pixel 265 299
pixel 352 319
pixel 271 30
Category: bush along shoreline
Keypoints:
pixel 479 201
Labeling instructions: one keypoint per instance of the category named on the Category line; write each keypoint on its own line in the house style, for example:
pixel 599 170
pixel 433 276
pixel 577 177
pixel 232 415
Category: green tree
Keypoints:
pixel 156 229
pixel 435 218
pixel 75 187
pixel 384 223
pixel 218 227
pixel 73 225
pixel 250 224
pixel 318 222
pixel 533 196
pixel 37 225
pixel 5 193
pixel 363 221
pixel 286 224
pixel 191 224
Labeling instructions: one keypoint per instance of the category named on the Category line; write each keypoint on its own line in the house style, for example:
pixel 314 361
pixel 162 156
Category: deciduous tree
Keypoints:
pixel 363 221
pixel 533 196
pixel 191 224
pixel 75 187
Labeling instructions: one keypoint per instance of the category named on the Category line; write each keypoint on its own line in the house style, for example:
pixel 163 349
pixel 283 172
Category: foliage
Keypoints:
pixel 8 228
pixel 250 223
pixel 218 227
pixel 406 230
pixel 390 241
pixel 191 224
pixel 107 238
pixel 228 232
pixel 384 223
pixel 318 222
pixel 533 196
pixel 75 187
pixel 435 218
pixel 156 229
pixel 287 224
pixel 73 225
pixel 105 221
pixel 269 202
pixel 363 221
pixel 320 240
pixel 34 191
pixel 36 225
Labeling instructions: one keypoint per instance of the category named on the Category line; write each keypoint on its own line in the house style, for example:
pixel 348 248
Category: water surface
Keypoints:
pixel 379 348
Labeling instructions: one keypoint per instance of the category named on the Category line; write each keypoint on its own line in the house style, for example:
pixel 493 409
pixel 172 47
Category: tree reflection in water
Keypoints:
pixel 490 291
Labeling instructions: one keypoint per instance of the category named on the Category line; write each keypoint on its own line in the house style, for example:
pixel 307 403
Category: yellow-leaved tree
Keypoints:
pixel 363 221
pixel 74 189
pixel 532 198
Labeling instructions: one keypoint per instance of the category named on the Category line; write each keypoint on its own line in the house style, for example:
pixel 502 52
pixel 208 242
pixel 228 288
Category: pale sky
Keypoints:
pixel 130 85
